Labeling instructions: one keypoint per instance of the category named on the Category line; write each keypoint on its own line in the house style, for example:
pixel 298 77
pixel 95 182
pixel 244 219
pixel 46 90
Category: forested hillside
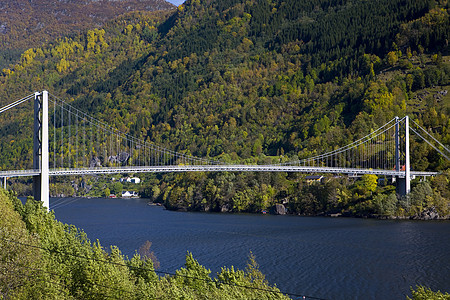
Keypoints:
pixel 25 24
pixel 258 81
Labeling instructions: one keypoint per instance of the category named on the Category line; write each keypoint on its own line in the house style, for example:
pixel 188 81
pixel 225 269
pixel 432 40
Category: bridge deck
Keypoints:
pixel 213 168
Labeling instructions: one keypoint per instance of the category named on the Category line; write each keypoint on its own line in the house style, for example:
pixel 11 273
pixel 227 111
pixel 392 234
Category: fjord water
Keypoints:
pixel 330 258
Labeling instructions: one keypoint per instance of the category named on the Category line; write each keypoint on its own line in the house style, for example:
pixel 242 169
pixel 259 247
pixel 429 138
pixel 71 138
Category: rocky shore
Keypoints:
pixel 280 209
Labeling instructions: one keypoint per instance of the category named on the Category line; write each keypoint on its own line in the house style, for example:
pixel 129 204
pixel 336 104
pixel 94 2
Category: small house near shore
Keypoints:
pixel 129 194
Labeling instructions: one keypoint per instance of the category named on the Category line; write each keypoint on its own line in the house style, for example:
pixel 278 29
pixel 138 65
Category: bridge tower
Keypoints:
pixel 40 149
pixel 403 182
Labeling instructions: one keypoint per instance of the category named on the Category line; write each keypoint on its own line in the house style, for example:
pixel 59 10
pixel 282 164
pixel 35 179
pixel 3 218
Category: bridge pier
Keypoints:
pixel 403 183
pixel 41 186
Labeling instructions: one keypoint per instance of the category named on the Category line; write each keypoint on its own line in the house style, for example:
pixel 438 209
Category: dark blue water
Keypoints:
pixel 330 258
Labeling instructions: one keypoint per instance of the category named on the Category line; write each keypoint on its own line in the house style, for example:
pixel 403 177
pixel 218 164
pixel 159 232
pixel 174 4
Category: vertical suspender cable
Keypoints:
pixel 54 133
pixel 111 145
pixel 84 141
pixel 69 135
pixel 91 149
pixel 76 139
pixel 62 137
pixel 105 145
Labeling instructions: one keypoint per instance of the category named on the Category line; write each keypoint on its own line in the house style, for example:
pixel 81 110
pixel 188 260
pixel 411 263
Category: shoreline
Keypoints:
pixel 423 217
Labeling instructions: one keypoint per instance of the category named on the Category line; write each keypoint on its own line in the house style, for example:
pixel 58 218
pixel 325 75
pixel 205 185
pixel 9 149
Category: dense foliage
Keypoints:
pixel 42 258
pixel 423 293
pixel 25 24
pixel 251 82
pixel 238 192
pixel 259 81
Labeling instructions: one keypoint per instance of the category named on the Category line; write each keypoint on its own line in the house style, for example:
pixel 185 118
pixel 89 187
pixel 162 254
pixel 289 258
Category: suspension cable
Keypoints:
pixel 11 105
pixel 430 136
pixel 356 143
pixel 434 147
pixel 104 126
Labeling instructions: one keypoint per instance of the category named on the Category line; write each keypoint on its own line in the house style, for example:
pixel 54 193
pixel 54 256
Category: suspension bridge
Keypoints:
pixel 68 141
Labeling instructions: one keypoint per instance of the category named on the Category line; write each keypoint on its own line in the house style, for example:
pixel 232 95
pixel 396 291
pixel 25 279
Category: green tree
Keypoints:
pixel 106 192
pixel 385 204
pixel 424 293
pixel 229 281
pixel 420 197
pixel 409 81
pixel 18 262
pixel 116 188
pixel 392 58
pixel 369 182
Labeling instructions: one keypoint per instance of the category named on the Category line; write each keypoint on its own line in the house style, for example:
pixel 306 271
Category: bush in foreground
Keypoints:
pixel 424 293
pixel 42 258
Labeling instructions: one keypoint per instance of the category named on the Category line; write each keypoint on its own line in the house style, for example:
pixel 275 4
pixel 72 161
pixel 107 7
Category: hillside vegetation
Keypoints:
pixel 258 82
pixel 25 24
pixel 42 258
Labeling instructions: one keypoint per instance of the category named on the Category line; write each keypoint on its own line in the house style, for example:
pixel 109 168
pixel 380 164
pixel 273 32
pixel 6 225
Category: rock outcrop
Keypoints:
pixel 278 209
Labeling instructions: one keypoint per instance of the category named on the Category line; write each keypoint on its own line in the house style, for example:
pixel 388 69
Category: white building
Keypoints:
pixel 129 194
pixel 131 180
pixel 135 180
